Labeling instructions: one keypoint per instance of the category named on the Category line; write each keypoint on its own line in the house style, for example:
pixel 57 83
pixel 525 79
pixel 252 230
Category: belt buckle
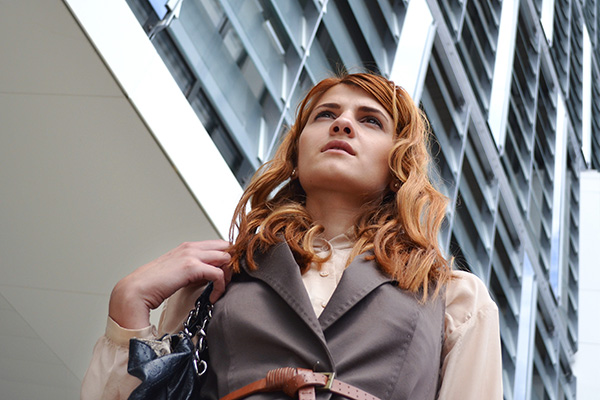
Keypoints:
pixel 330 377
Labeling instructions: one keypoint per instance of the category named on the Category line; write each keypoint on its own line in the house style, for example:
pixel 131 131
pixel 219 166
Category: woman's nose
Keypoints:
pixel 342 125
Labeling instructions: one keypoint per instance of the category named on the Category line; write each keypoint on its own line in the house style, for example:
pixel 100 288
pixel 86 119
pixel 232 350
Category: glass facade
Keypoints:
pixel 244 65
pixel 513 219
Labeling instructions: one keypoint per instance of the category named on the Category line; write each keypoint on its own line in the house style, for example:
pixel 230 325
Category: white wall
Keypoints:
pixel 86 191
pixel 586 360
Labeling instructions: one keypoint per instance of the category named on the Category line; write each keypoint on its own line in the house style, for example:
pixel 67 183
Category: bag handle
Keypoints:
pixel 196 324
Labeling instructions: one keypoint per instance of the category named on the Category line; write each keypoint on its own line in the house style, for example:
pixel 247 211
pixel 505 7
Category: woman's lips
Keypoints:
pixel 339 145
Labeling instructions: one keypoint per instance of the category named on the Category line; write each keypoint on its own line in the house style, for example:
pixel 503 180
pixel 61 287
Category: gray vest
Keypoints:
pixel 371 334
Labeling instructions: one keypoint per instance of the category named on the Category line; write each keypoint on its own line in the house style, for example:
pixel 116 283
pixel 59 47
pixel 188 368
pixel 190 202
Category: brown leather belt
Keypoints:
pixel 301 382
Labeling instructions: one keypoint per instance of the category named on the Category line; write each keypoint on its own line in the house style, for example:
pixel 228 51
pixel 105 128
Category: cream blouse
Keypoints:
pixel 471 354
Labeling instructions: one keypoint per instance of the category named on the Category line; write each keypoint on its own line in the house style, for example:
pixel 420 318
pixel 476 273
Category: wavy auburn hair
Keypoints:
pixel 400 228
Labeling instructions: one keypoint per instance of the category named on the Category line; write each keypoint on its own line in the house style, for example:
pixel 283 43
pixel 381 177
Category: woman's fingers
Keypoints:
pixel 191 263
pixel 219 284
pixel 216 244
pixel 216 258
pixel 214 266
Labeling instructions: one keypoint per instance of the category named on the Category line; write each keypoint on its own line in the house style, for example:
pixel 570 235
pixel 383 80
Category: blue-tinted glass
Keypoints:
pixel 159 7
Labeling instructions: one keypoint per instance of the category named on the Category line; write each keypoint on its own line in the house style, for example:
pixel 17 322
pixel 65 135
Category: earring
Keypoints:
pixel 294 174
pixel 395 186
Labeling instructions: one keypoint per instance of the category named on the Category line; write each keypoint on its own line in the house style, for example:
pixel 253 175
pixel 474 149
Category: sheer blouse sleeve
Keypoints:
pixel 107 377
pixel 471 356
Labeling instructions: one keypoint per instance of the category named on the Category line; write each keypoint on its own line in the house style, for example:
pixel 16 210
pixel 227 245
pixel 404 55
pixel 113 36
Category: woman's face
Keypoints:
pixel 345 144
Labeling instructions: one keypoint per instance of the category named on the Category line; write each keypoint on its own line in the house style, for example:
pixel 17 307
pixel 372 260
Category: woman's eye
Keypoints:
pixel 373 121
pixel 325 114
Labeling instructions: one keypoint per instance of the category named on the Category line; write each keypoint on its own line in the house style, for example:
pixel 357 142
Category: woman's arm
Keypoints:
pixel 186 267
pixel 472 358
pixel 191 263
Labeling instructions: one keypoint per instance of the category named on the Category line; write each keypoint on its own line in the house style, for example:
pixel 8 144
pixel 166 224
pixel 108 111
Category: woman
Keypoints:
pixel 336 267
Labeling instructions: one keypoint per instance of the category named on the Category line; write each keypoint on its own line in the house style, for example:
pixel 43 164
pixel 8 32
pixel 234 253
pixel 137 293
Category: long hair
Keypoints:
pixel 400 230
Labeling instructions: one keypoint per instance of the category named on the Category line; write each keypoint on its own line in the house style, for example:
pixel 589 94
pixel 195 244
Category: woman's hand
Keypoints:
pixel 191 263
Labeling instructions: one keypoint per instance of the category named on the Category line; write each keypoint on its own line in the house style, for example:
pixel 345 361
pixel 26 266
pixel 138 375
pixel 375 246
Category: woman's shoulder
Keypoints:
pixel 466 297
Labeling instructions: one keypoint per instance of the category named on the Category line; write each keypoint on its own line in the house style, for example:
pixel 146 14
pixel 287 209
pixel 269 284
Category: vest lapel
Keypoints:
pixel 278 269
pixel 360 278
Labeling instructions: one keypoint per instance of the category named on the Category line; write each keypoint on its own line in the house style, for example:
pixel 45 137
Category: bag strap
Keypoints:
pixel 196 324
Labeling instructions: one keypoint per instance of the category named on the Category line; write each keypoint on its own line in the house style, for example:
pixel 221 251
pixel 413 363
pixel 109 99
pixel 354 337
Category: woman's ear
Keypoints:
pixel 395 185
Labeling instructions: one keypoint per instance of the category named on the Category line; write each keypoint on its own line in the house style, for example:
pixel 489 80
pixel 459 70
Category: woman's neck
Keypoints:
pixel 335 212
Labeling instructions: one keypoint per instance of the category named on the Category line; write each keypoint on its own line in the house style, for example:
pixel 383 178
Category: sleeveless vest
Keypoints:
pixel 372 334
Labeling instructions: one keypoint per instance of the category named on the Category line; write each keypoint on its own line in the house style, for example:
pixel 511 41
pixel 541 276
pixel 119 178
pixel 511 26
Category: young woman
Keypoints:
pixel 336 267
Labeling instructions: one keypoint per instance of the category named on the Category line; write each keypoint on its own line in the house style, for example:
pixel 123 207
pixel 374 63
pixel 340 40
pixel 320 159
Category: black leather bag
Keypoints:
pixel 173 367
